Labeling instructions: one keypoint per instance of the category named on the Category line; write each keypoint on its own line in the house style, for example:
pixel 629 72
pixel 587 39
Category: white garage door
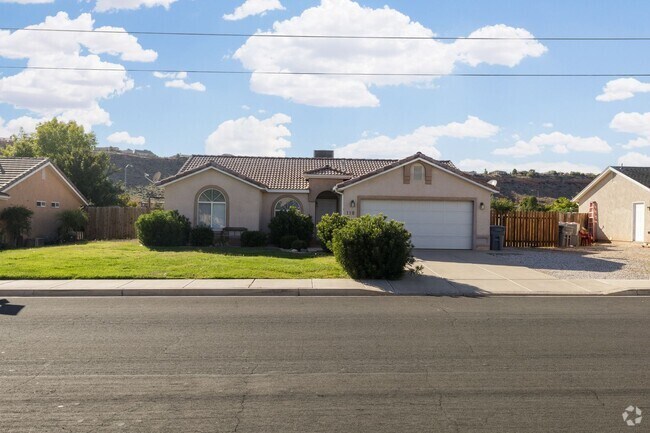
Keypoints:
pixel 433 224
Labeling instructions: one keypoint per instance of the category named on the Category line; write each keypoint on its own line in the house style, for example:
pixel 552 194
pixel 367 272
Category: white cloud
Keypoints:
pixel 126 138
pixel 622 88
pixel 637 143
pixel 423 139
pixel 68 94
pixel 345 17
pixel 478 165
pixel 12 127
pixel 557 142
pixel 634 159
pixel 253 7
pixel 177 80
pixel 633 123
pixel 251 136
pixel 112 5
pixel 547 125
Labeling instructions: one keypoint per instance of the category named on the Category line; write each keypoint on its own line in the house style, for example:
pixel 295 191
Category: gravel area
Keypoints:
pixel 624 261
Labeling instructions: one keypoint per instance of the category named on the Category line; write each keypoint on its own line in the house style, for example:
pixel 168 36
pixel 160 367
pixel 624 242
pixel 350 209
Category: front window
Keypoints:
pixel 212 209
pixel 285 203
pixel 418 172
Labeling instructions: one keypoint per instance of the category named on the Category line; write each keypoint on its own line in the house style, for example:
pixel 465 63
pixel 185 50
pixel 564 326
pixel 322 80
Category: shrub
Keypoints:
pixel 70 222
pixel 17 222
pixel 201 236
pixel 291 222
pixel 503 204
pixel 373 247
pixel 299 245
pixel 286 242
pixel 253 239
pixel 327 226
pixel 162 228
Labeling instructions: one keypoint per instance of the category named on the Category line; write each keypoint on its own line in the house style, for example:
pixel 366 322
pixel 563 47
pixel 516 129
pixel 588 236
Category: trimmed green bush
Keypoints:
pixel 299 245
pixel 201 236
pixel 163 228
pixel 327 226
pixel 70 222
pixel 253 239
pixel 17 222
pixel 373 247
pixel 287 241
pixel 291 222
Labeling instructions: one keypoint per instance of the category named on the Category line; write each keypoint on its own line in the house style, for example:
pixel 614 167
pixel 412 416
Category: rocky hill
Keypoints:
pixel 141 163
pixel 545 186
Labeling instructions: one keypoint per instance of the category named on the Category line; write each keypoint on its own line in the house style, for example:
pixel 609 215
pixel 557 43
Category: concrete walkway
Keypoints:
pixel 465 284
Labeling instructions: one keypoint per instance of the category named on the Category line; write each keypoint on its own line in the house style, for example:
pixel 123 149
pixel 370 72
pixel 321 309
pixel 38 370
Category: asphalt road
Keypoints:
pixel 324 364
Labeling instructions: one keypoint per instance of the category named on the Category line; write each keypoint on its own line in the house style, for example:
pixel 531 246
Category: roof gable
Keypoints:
pixel 329 171
pixel 637 175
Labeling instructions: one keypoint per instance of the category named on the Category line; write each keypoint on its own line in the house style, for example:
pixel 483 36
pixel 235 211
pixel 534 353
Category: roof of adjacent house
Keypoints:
pixel 638 175
pixel 283 173
pixel 13 170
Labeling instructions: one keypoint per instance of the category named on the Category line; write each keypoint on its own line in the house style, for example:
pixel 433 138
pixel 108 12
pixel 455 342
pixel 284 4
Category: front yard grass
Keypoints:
pixel 130 260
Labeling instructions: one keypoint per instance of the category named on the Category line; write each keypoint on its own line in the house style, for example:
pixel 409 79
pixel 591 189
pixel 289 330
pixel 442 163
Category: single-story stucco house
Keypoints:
pixel 441 206
pixel 618 199
pixel 38 185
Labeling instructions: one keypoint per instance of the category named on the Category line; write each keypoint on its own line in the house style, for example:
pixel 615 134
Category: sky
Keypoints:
pixel 153 92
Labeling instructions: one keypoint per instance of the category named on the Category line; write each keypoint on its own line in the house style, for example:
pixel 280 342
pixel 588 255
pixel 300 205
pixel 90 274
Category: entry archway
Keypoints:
pixel 327 203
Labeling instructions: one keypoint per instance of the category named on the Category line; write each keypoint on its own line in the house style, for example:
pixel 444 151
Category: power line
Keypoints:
pixel 325 73
pixel 318 36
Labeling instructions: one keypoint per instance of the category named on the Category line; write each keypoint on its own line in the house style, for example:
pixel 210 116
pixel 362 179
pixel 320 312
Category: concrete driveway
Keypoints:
pixel 482 273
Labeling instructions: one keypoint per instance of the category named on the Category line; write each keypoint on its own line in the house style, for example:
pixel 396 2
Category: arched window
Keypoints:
pixel 418 172
pixel 285 203
pixel 212 209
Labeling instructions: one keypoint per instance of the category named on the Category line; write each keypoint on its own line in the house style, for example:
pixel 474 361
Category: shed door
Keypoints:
pixel 433 224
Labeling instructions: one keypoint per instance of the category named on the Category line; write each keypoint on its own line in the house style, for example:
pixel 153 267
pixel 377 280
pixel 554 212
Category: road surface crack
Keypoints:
pixel 450 419
pixel 242 402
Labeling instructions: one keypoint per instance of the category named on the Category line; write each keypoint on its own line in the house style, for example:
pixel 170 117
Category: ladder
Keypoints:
pixel 593 220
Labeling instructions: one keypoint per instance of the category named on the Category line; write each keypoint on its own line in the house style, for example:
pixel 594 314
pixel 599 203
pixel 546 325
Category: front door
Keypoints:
pixel 326 203
pixel 639 222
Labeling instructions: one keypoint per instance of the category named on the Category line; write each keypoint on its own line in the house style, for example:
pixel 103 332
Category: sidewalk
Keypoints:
pixel 422 285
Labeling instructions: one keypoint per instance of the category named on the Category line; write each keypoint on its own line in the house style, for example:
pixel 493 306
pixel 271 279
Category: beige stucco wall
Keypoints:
pixel 244 202
pixel 443 186
pixel 615 195
pixel 48 186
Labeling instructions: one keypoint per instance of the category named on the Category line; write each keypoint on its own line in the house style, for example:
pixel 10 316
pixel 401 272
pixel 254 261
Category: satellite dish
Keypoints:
pixel 156 177
pixel 493 182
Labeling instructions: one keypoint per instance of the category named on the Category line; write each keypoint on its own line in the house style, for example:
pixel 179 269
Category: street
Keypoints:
pixel 348 364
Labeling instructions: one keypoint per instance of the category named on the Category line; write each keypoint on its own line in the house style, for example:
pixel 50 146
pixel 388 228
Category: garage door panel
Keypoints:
pixel 433 224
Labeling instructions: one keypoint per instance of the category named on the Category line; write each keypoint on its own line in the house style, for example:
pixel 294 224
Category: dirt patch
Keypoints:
pixel 625 261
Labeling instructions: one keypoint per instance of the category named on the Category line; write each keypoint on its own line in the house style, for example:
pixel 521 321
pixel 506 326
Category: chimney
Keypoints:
pixel 323 154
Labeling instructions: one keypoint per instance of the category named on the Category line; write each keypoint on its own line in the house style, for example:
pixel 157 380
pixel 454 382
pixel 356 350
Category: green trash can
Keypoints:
pixel 497 237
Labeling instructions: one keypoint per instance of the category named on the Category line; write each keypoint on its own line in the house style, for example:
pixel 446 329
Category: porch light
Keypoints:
pixel 353 204
pixel 482 206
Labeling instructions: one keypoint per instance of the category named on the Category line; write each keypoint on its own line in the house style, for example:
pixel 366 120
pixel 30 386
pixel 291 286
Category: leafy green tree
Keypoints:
pixel 503 204
pixel 563 204
pixel 529 203
pixel 17 221
pixel 73 151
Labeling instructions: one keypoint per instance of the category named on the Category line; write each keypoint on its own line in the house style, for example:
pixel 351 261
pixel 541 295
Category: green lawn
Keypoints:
pixel 128 259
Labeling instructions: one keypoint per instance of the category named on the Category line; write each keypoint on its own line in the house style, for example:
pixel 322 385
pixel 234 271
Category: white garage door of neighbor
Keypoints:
pixel 433 224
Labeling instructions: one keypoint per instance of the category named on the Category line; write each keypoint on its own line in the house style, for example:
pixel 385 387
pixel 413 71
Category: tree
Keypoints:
pixel 529 203
pixel 17 221
pixel 503 204
pixel 73 151
pixel 563 204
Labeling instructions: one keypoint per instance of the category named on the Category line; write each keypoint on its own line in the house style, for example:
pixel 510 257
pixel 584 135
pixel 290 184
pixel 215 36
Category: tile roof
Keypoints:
pixel 290 173
pixel 14 169
pixel 639 174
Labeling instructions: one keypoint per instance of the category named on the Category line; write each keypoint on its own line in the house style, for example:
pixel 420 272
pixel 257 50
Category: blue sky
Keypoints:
pixel 477 122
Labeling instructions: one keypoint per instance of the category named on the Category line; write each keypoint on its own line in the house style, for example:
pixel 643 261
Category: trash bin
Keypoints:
pixel 562 241
pixel 497 237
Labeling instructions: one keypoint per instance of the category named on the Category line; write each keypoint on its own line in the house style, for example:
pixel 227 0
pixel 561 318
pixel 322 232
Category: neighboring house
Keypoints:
pixel 442 206
pixel 40 186
pixel 621 196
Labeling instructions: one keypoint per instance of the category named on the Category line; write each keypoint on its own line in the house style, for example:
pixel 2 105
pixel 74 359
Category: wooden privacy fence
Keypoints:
pixel 106 223
pixel 534 229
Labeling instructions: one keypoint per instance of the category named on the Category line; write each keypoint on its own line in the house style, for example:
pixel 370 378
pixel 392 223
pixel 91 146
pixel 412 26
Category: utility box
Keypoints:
pixel 569 234
pixel 497 237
